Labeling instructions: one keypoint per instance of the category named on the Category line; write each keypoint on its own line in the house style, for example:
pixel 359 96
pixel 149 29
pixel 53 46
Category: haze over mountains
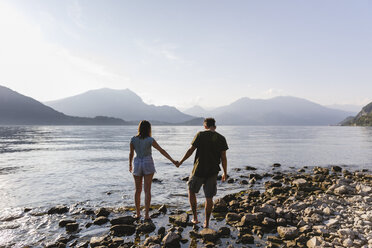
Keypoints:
pixel 124 104
pixel 125 107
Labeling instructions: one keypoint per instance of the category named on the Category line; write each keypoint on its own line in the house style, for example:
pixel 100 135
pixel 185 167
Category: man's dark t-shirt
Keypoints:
pixel 209 146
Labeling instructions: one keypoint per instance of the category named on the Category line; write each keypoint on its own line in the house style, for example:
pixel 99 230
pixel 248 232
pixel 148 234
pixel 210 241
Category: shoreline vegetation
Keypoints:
pixel 311 207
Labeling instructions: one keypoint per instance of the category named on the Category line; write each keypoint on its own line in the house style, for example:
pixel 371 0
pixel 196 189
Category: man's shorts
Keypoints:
pixel 143 166
pixel 209 185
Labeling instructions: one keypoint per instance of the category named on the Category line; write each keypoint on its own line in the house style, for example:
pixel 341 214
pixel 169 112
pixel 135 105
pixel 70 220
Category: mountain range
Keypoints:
pixel 124 104
pixel 17 109
pixel 124 107
pixel 363 118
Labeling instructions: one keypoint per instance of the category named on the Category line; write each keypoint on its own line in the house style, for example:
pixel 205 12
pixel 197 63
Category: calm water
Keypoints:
pixel 42 166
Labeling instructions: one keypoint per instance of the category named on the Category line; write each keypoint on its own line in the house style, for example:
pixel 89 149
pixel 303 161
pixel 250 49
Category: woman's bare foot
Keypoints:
pixel 195 221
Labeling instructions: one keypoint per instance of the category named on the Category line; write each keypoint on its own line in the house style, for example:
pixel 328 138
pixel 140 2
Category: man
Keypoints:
pixel 210 151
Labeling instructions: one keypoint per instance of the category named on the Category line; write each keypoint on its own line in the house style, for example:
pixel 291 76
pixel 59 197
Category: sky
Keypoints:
pixel 185 53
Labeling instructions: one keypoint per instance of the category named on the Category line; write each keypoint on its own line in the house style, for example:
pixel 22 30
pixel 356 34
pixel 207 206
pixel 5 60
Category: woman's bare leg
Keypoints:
pixel 137 194
pixel 147 189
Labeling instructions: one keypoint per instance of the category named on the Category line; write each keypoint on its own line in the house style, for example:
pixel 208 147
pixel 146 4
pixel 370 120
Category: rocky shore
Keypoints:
pixel 311 207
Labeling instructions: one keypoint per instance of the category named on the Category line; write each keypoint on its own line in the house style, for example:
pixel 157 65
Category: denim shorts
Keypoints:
pixel 143 166
pixel 209 185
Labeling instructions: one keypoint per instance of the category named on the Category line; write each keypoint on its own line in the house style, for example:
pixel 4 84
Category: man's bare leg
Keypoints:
pixel 193 204
pixel 208 211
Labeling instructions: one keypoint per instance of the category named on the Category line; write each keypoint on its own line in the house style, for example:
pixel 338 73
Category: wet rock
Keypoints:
pixel 102 212
pixel 247 239
pixel 255 176
pixel 64 222
pixel 185 179
pixel 209 234
pixel 146 227
pixel 72 227
pixel 276 165
pixel 224 232
pixel 26 210
pixel 219 206
pixel 250 168
pixel 156 180
pixel 251 219
pixel 127 220
pixel 269 223
pixel 244 182
pixel 231 180
pixel 117 241
pixel 100 220
pixel 336 168
pixel 172 239
pixel 122 230
pixel 161 231
pixel 58 210
pixel 180 220
pixel 83 244
pixel 287 232
pixel 163 209
pixel 272 184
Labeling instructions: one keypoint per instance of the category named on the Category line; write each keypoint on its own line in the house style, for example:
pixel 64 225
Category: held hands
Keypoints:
pixel 224 177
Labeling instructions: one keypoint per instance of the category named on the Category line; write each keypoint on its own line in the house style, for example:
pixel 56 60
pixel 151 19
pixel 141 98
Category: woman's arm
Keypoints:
pixel 163 152
pixel 131 155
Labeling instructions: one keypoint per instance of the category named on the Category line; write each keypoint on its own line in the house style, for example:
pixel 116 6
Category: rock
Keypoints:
pixel 244 182
pixel 342 190
pixel 156 180
pixel 194 234
pixel 231 180
pixel 208 234
pixel 276 165
pixel 247 239
pixel 180 220
pixel 331 222
pixel 163 209
pixel 287 232
pixel 152 240
pixel 64 222
pixel 58 210
pixel 269 223
pixel 185 179
pixel 127 220
pixel 117 241
pixel 250 168
pixel 122 230
pixel 347 243
pixel 327 211
pixel 320 170
pixel 265 208
pixel 146 227
pixel 364 189
pixel 83 244
pixel 224 232
pixel 345 233
pixel 72 227
pixel 336 168
pixel 219 206
pixel 315 242
pixel 97 241
pixel 300 183
pixel 100 220
pixel 232 217
pixel 161 231
pixel 172 239
pixel 102 212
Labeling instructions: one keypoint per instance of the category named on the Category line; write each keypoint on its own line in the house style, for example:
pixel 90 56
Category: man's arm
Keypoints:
pixel 224 165
pixel 189 152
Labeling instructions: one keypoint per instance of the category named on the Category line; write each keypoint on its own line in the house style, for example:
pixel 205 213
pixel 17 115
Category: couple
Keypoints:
pixel 210 149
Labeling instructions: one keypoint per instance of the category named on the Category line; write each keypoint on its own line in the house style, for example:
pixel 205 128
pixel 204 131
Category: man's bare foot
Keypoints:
pixel 206 224
pixel 193 221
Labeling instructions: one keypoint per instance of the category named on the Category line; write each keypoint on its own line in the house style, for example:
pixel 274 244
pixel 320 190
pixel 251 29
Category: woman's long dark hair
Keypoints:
pixel 144 129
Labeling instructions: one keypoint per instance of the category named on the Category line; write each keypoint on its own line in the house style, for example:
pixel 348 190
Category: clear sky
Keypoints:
pixel 182 53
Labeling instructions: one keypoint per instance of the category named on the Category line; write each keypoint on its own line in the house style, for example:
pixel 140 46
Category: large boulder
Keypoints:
pixel 172 239
pixel 219 206
pixel 208 234
pixel 58 210
pixel 146 227
pixel 100 220
pixel 127 220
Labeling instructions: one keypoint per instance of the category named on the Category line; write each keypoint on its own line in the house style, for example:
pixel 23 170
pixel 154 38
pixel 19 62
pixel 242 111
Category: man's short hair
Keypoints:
pixel 210 122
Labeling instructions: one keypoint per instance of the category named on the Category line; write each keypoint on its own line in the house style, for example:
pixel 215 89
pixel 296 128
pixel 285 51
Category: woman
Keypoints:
pixel 144 165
